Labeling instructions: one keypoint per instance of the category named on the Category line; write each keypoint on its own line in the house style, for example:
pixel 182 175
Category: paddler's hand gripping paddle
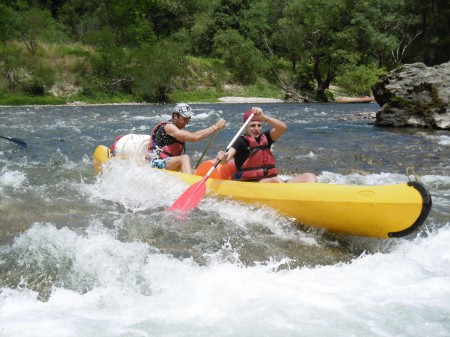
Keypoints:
pixel 194 194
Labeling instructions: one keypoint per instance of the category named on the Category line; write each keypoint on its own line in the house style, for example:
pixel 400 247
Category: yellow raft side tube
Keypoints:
pixel 375 211
pixel 380 211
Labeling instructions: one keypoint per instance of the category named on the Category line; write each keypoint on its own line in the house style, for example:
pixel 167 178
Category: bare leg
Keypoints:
pixel 301 178
pixel 271 180
pixel 304 178
pixel 180 163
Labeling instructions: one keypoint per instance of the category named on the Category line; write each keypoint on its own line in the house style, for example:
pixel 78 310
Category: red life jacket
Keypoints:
pixel 261 162
pixel 112 148
pixel 167 145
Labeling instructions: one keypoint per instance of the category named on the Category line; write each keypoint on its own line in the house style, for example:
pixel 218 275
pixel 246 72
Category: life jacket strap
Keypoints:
pixel 257 148
pixel 265 168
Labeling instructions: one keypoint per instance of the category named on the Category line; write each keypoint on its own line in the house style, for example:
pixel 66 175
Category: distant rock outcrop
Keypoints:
pixel 414 95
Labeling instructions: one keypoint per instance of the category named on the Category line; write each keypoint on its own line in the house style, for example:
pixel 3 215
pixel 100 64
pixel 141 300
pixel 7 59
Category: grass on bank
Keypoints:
pixel 22 99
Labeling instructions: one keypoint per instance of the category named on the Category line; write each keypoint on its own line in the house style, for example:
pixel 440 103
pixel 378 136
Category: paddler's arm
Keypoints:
pixel 186 136
pixel 225 157
pixel 278 127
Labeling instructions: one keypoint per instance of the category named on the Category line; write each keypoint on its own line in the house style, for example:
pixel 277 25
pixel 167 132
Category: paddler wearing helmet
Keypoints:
pixel 168 140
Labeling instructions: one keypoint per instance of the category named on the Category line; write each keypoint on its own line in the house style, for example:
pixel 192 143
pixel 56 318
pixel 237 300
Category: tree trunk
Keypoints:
pixel 322 84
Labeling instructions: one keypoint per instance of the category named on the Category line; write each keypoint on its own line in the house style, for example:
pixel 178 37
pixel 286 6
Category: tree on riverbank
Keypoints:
pixel 143 50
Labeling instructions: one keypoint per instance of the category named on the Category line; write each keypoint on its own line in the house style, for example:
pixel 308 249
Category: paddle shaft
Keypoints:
pixel 230 145
pixel 192 196
pixel 18 141
pixel 206 149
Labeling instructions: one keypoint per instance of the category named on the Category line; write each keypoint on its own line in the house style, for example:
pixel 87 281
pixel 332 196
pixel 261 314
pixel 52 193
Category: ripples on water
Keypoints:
pixel 106 260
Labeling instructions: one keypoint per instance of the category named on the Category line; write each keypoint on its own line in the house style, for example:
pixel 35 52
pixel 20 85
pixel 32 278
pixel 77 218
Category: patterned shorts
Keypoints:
pixel 159 163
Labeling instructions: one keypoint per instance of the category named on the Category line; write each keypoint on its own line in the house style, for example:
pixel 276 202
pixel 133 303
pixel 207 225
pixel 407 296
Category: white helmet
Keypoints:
pixel 183 109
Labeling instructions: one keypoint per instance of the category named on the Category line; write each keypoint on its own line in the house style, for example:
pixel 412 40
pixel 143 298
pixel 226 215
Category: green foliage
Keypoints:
pixel 399 102
pixel 27 74
pixel 6 23
pixel 110 66
pixel 261 88
pixel 74 51
pixel 140 31
pixel 10 61
pixel 21 99
pixel 249 18
pixel 40 81
pixel 211 72
pixel 182 39
pixel 140 48
pixel 227 14
pixel 158 70
pixel 81 17
pixel 358 80
pixel 432 45
pixel 35 25
pixel 240 55
pixel 254 23
pixel 201 34
pixel 97 97
pixel 215 77
pixel 324 38
pixel 94 88
pixel 11 58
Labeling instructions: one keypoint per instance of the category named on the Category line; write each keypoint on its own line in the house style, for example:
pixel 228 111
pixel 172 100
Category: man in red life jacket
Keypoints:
pixel 167 141
pixel 252 155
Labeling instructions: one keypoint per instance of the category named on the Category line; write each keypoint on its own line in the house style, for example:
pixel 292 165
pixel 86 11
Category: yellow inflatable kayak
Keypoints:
pixel 388 211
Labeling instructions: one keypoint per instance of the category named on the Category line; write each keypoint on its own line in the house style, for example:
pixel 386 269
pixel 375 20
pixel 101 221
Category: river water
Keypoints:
pixel 87 255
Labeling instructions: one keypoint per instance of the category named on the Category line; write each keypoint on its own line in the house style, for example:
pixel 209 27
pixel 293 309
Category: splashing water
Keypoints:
pixel 87 255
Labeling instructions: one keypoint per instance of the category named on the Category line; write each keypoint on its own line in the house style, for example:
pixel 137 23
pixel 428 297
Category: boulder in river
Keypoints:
pixel 414 95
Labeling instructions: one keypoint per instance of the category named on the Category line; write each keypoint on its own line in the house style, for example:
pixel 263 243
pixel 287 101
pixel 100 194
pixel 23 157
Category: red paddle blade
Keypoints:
pixel 190 198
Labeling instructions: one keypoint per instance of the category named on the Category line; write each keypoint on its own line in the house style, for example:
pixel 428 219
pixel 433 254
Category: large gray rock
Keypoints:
pixel 415 95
